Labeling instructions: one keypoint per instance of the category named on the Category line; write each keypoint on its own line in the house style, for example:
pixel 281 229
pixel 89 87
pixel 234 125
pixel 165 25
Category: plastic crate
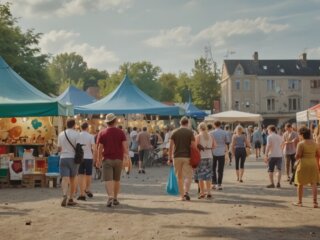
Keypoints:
pixel 3 172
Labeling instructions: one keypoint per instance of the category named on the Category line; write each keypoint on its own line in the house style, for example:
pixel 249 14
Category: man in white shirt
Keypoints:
pixel 68 168
pixel 273 155
pixel 85 168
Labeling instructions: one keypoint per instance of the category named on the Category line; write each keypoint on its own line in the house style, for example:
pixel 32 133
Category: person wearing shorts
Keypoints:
pixel 112 149
pixel 85 168
pixel 180 143
pixel 67 167
pixel 273 155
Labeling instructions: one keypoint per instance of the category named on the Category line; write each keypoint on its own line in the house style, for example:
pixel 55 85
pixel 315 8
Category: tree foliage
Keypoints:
pixel 20 50
pixel 71 69
pixel 204 84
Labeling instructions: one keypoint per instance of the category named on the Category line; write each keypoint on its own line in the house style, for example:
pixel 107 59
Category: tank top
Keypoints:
pixel 207 153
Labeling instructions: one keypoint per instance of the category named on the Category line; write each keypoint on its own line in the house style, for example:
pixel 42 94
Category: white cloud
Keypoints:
pixel 65 8
pixel 218 33
pixel 191 4
pixel 62 41
pixel 179 36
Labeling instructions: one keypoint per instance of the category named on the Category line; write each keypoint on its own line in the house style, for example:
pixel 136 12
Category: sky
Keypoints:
pixel 171 34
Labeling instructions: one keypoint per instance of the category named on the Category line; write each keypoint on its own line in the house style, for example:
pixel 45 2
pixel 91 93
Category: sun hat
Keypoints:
pixel 110 117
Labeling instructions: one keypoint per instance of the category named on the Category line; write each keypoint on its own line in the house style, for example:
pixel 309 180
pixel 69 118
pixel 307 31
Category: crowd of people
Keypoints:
pixel 218 145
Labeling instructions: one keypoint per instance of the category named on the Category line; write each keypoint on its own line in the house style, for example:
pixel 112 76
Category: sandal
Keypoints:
pixel 64 201
pixel 315 204
pixel 71 202
pixel 201 196
pixel 186 196
pixel 109 202
pixel 297 204
pixel 89 194
pixel 209 196
pixel 115 202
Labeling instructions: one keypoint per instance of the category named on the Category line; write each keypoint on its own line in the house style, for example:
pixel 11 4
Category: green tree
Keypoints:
pixel 92 76
pixel 67 68
pixel 183 88
pixel 108 85
pixel 204 84
pixel 145 76
pixel 20 50
pixel 168 83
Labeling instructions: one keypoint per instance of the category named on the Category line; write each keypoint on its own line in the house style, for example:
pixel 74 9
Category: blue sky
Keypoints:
pixel 171 34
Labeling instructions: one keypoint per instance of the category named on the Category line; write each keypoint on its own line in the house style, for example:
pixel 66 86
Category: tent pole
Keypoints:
pixel 126 121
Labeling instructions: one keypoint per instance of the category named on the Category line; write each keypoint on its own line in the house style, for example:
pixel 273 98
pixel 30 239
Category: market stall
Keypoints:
pixel 75 96
pixel 128 99
pixel 234 116
pixel 26 127
pixel 194 112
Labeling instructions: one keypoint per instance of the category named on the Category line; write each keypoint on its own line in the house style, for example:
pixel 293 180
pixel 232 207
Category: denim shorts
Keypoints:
pixel 85 167
pixel 68 168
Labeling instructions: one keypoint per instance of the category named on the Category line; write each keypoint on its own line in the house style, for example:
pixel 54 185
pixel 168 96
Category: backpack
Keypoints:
pixel 78 156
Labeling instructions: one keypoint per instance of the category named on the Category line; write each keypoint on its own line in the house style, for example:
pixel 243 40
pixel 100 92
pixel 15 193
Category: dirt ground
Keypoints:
pixel 240 211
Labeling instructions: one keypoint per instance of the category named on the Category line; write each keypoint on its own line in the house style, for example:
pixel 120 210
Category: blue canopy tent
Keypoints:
pixel 194 112
pixel 75 96
pixel 18 98
pixel 127 99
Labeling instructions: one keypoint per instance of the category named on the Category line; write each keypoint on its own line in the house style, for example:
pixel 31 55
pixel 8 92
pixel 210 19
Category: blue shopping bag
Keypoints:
pixel 172 184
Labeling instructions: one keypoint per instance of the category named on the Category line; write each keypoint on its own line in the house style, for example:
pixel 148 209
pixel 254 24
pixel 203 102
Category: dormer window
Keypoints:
pixel 239 70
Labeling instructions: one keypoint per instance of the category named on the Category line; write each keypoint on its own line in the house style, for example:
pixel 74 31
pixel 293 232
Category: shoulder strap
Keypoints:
pixel 69 140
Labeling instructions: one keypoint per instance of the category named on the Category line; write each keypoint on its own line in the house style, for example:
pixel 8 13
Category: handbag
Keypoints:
pixel 172 184
pixel 248 151
pixel 194 156
pixel 78 156
pixel 127 164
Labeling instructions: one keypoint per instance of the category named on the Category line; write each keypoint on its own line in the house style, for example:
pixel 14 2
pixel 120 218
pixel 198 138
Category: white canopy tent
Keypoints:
pixel 306 115
pixel 234 116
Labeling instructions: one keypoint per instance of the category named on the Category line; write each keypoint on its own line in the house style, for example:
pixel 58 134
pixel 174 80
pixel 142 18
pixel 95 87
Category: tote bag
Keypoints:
pixel 172 184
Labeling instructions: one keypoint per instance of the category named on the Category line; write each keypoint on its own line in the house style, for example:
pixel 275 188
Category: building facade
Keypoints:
pixel 276 89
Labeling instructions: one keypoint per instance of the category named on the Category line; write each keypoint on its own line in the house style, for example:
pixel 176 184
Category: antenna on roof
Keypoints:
pixel 209 58
pixel 228 53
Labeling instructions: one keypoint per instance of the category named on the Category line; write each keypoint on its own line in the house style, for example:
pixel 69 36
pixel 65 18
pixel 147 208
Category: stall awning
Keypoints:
pixel 127 98
pixel 18 98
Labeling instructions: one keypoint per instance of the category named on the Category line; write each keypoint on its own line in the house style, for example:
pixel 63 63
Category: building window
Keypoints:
pixel 315 83
pixel 294 84
pixel 270 104
pixel 246 85
pixel 271 85
pixel 237 84
pixel 294 103
pixel 236 105
pixel 247 104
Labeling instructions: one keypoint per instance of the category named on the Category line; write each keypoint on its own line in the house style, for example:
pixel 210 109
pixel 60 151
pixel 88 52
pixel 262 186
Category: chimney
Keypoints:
pixel 304 59
pixel 255 56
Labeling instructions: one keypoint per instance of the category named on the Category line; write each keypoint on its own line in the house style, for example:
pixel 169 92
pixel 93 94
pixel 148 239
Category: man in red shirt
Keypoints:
pixel 112 149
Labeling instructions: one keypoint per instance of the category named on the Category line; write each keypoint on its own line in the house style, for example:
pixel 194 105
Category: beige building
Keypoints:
pixel 276 89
